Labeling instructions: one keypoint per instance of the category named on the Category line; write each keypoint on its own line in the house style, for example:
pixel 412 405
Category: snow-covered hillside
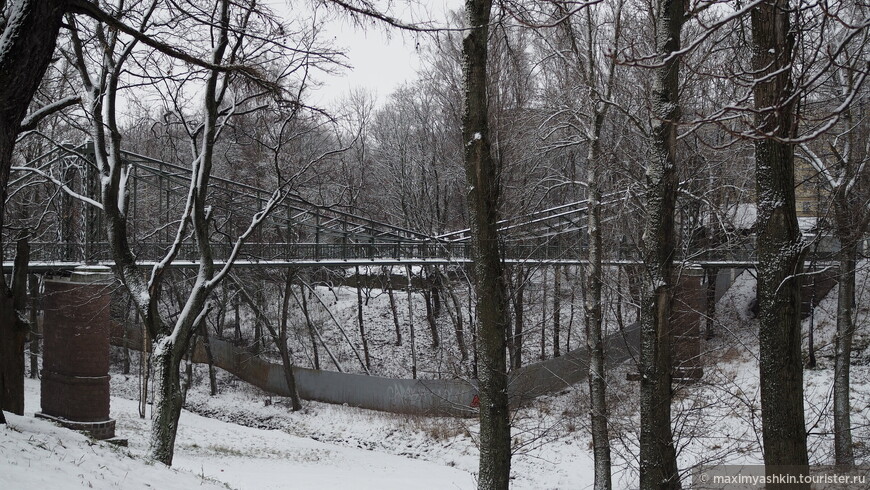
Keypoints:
pixel 246 439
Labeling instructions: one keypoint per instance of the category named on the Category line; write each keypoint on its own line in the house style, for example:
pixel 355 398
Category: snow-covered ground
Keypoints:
pixel 243 438
pixel 210 453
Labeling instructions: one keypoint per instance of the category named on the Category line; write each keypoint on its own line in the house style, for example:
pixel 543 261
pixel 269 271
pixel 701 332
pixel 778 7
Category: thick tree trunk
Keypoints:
pixel 658 461
pixel 780 251
pixel 29 36
pixel 492 311
pixel 13 331
pixel 168 400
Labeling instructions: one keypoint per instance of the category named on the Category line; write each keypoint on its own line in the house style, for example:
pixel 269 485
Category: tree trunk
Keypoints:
pixel 492 311
pixel 29 36
pixel 206 345
pixel 843 452
pixel 289 376
pixel 393 309
pixel 167 400
pixel 359 319
pixel 238 331
pixel 144 369
pixel 780 255
pixel 430 317
pixel 543 354
pixel 13 332
pixel 259 303
pixel 311 331
pixel 811 328
pixel 658 461
pixel 411 327
pixel 456 318
pixel 557 309
pixel 519 308
pixel 280 340
pixel 35 335
pixel 594 318
pixel 712 274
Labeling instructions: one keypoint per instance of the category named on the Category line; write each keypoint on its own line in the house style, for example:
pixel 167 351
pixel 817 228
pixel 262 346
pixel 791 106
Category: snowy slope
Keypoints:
pixel 246 439
pixel 210 453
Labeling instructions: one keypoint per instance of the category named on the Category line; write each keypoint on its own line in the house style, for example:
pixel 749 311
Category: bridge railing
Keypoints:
pixel 459 252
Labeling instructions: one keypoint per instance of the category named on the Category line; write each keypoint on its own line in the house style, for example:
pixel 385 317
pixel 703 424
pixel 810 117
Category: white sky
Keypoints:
pixel 381 57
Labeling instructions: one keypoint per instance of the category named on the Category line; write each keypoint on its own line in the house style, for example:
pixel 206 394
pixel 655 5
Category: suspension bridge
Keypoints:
pixel 298 232
pixel 50 196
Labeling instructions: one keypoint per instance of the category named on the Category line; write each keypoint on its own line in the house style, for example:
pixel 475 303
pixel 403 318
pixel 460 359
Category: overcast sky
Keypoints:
pixel 381 57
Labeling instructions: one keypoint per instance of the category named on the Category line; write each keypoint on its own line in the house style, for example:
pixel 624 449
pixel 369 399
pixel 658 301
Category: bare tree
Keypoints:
pixel 228 30
pixel 780 246
pixel 492 308
pixel 658 460
pixel 29 32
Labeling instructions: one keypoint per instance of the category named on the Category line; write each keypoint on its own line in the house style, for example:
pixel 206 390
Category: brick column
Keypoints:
pixel 75 372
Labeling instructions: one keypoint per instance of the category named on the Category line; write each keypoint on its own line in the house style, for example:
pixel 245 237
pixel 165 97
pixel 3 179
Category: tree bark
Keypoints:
pixel 206 345
pixel 359 319
pixel 411 327
pixel 850 220
pixel 484 198
pixel 557 309
pixel 430 317
pixel 280 339
pixel 35 335
pixel 594 317
pixel 519 308
pixel 311 332
pixel 456 317
pixel 168 399
pixel 843 452
pixel 393 309
pixel 712 273
pixel 29 35
pixel 543 354
pixel 13 330
pixel 658 461
pixel 780 251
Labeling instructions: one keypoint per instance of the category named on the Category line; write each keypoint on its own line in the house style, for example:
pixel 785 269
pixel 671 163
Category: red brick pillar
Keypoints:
pixel 75 367
pixel 687 314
